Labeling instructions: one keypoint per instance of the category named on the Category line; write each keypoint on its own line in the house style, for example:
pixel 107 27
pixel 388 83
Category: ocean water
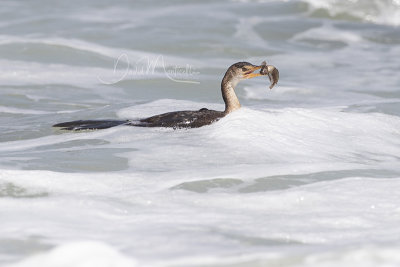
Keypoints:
pixel 306 174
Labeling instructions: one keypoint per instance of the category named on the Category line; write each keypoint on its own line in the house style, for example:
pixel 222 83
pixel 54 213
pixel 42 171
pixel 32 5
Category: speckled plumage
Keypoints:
pixel 181 119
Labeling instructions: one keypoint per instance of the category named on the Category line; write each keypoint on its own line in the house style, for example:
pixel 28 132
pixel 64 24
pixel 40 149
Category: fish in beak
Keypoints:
pixel 271 71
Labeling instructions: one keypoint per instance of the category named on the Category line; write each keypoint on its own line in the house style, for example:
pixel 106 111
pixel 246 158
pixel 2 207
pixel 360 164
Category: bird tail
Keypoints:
pixel 81 125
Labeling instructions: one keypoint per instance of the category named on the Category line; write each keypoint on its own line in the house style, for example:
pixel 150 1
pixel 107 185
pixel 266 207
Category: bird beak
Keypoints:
pixel 249 74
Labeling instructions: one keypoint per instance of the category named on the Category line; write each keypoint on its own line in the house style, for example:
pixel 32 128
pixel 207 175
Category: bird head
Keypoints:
pixel 244 70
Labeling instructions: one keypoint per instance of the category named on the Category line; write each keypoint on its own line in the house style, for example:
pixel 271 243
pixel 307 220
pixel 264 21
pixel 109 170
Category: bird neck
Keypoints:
pixel 228 85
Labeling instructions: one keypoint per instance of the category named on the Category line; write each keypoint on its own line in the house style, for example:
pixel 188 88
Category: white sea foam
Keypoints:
pixel 79 254
pixel 376 11
pixel 270 135
pixel 13 110
pixel 269 226
pixel 257 137
pixel 328 33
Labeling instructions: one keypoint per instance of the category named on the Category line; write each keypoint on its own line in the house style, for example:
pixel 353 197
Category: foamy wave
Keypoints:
pixel 377 11
pixel 12 110
pixel 201 228
pixel 328 33
pixel 79 254
pixel 81 45
pixel 263 136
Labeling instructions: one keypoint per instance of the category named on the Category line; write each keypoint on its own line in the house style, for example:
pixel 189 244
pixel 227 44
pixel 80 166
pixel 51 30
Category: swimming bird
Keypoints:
pixel 189 119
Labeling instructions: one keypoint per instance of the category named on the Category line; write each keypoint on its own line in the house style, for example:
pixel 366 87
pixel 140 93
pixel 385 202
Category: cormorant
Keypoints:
pixel 189 119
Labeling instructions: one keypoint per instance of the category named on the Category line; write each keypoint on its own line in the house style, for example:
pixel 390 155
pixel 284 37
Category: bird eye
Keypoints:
pixel 244 69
